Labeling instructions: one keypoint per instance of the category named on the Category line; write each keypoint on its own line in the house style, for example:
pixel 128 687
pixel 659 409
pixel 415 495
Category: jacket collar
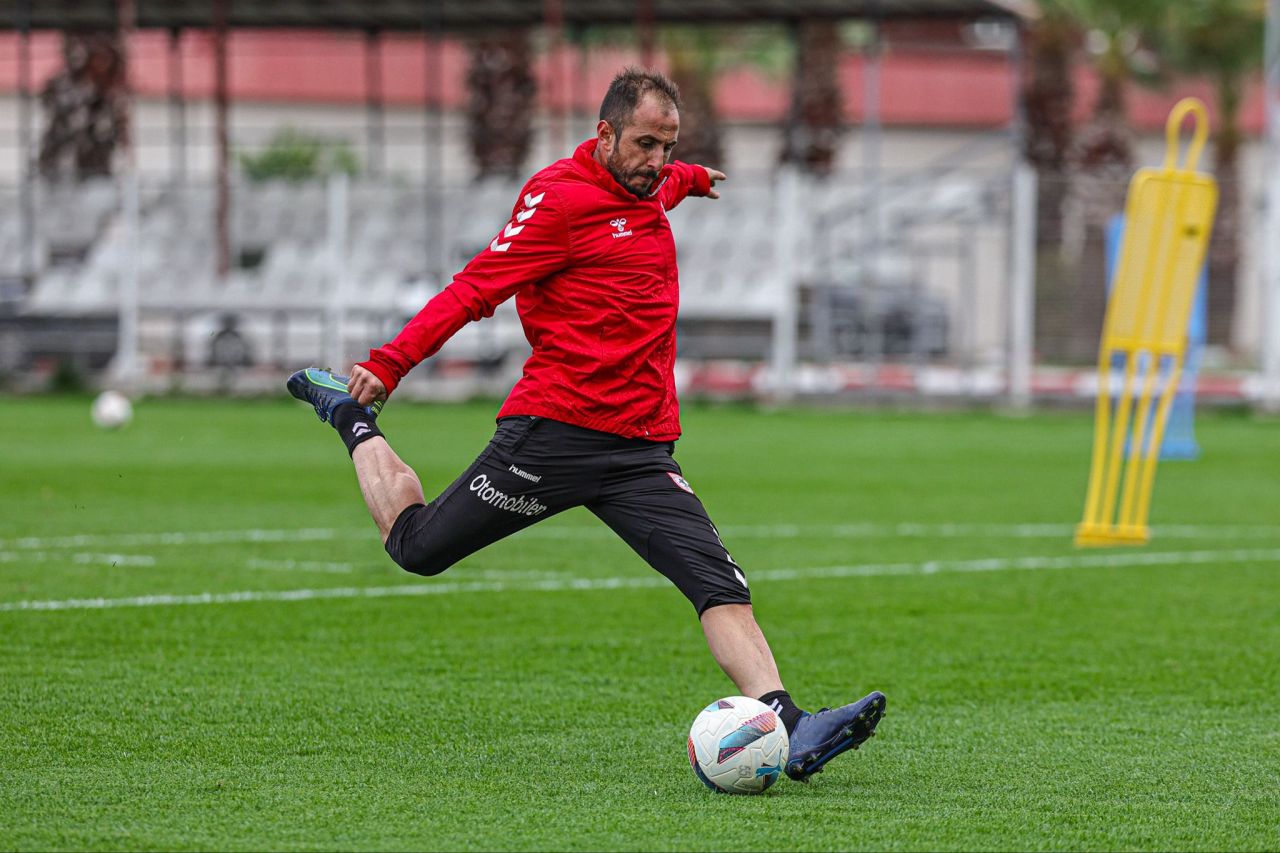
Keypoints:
pixel 584 156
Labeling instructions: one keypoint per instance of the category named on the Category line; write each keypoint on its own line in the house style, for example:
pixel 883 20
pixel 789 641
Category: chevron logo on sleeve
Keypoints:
pixel 531 202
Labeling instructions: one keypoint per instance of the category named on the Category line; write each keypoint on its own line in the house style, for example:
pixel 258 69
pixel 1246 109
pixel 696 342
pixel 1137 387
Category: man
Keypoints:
pixel 589 255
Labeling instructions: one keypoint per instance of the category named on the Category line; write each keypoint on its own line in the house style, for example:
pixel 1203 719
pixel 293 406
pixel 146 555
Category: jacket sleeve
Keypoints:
pixel 683 179
pixel 533 245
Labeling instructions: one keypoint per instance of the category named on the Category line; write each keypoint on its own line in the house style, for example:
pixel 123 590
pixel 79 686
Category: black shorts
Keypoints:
pixel 536 467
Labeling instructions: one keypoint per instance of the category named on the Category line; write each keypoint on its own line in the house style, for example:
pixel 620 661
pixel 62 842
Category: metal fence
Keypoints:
pixel 925 282
pixel 323 271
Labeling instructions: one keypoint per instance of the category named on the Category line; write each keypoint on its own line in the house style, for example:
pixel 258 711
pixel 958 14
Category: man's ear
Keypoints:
pixel 604 133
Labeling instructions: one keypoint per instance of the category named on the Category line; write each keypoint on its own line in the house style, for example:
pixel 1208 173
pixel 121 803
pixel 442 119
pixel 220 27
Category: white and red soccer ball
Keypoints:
pixel 738 745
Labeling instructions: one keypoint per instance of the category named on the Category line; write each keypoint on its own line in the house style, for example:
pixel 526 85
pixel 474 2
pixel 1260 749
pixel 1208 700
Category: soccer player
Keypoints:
pixel 593 421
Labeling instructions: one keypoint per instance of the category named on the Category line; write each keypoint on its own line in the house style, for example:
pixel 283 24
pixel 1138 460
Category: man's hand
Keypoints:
pixel 715 175
pixel 365 387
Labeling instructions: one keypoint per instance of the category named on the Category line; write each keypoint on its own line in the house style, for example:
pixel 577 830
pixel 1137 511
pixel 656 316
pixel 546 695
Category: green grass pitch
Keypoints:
pixel 234 663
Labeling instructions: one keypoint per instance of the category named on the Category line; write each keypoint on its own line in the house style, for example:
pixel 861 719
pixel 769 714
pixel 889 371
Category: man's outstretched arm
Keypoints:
pixel 533 245
pixel 686 179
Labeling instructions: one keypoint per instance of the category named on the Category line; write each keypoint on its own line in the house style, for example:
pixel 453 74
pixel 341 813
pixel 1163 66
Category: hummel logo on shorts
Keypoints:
pixel 360 428
pixel 535 478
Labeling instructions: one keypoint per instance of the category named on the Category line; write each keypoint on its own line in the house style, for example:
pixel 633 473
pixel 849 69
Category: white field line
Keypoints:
pixel 347 568
pixel 300 566
pixel 906 530
pixel 206 537
pixel 560 584
pixel 82 559
pixel 509 574
pixel 954 530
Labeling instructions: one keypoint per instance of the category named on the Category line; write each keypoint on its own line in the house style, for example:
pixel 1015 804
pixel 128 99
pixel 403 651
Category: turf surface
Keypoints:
pixel 537 696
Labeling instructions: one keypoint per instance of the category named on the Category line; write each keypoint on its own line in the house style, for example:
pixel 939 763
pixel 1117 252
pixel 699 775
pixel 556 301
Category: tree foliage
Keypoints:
pixel 293 155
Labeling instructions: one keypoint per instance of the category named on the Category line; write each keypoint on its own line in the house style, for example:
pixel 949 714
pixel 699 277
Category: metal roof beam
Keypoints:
pixel 465 15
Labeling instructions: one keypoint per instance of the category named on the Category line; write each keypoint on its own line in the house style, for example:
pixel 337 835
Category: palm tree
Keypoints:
pixel 1222 41
pixel 1100 160
pixel 816 118
pixel 500 105
pixel 697 56
pixel 86 108
pixel 1047 100
pixel 694 62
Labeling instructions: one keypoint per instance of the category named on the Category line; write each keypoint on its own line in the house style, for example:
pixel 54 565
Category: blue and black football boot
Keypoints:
pixel 325 390
pixel 820 737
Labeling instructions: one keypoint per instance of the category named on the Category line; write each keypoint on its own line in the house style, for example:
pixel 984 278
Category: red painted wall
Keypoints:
pixel 929 88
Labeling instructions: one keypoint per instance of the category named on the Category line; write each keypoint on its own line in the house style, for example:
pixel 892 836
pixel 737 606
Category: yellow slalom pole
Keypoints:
pixel 1119 431
pixel 1101 425
pixel 1169 215
pixel 1157 438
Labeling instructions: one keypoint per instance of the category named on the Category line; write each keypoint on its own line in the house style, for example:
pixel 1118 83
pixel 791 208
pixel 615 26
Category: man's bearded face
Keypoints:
pixel 643 146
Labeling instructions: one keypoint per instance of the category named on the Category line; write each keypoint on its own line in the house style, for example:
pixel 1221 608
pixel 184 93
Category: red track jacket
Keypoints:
pixel 593 269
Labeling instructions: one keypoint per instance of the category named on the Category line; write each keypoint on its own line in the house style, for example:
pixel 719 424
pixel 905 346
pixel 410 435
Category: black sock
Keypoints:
pixel 780 701
pixel 354 425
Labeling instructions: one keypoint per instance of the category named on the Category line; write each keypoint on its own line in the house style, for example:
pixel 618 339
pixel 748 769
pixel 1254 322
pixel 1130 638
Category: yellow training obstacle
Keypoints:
pixel 1168 219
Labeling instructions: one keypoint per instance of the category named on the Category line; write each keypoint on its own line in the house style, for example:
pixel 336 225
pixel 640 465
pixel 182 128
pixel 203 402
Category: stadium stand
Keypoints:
pixel 861 288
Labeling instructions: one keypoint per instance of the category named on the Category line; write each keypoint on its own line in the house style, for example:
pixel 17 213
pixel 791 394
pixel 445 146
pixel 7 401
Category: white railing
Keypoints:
pixel 781 269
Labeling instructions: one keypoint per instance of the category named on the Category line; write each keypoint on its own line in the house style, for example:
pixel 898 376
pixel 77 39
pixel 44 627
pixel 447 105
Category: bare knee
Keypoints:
pixel 725 612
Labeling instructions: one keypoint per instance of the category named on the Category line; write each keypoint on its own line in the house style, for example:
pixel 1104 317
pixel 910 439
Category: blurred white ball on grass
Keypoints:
pixel 111 410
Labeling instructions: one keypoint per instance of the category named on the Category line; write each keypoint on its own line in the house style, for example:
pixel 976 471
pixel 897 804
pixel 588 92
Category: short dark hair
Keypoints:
pixel 629 88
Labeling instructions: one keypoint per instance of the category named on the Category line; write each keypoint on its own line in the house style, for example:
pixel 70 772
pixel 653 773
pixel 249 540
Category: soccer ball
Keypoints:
pixel 738 745
pixel 111 410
